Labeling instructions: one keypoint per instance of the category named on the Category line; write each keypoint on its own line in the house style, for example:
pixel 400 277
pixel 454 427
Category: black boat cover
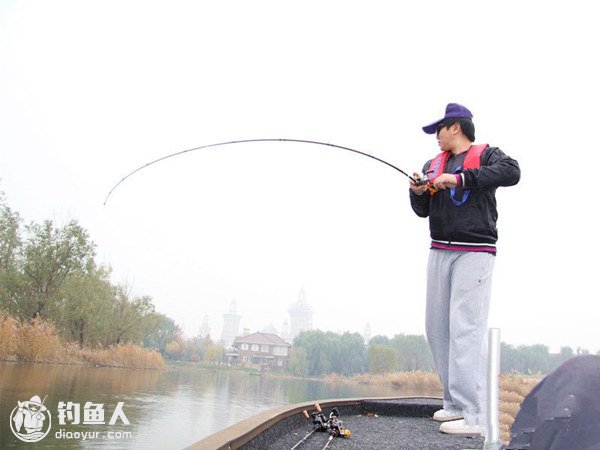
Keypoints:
pixel 563 411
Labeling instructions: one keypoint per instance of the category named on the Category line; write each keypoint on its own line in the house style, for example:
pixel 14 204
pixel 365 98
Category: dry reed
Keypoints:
pixel 122 355
pixel 417 380
pixel 37 341
pixel 8 336
pixel 513 390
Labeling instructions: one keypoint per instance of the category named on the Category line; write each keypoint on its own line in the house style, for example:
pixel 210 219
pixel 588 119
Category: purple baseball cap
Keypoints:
pixel 452 110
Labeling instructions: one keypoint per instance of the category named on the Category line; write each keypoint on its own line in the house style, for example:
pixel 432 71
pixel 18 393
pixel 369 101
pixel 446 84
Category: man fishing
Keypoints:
pixel 460 201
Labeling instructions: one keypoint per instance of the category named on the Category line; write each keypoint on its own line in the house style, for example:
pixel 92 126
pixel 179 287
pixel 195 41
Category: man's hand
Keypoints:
pixel 417 189
pixel 444 181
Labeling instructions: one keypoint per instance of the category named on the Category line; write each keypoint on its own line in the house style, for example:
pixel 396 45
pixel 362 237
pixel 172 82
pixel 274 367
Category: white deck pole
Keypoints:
pixel 492 435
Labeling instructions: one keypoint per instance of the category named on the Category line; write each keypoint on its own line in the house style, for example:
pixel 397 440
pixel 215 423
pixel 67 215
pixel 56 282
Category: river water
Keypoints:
pixel 165 409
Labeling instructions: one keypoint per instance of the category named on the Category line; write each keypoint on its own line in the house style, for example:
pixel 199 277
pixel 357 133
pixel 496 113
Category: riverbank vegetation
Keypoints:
pixel 57 304
pixel 37 341
pixel 318 353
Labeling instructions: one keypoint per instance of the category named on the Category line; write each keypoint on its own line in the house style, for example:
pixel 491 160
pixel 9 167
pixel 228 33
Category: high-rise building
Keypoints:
pixel 367 334
pixel 285 331
pixel 231 325
pixel 300 316
pixel 204 328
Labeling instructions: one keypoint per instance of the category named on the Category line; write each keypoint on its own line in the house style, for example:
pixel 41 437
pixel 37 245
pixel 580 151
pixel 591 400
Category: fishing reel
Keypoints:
pixel 330 424
pixel 318 418
pixel 337 428
pixel 422 180
pixel 319 421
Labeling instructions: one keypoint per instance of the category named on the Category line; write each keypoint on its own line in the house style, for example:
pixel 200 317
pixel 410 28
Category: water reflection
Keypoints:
pixel 167 409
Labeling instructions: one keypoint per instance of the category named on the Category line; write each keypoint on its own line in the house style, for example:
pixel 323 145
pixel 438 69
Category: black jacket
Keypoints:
pixel 475 220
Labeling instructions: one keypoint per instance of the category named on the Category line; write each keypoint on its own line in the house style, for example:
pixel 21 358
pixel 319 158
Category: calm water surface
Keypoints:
pixel 167 409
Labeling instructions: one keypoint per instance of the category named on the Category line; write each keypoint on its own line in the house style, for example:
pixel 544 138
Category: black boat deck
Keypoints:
pixel 399 424
pixel 377 424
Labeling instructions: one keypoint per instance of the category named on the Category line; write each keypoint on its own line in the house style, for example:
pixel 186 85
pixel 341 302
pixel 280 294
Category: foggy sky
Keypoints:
pixel 91 90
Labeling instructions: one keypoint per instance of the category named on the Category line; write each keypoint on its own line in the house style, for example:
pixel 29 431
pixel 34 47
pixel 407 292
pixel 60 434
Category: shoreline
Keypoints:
pixel 75 364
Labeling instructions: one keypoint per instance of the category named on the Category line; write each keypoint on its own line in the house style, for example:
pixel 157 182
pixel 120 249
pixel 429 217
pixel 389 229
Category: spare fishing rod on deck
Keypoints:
pixel 322 423
pixel 417 180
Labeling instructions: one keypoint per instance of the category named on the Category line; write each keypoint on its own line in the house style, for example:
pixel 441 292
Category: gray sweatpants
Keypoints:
pixel 458 298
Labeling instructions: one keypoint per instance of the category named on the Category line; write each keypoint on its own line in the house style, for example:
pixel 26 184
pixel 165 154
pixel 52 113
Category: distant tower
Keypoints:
pixel 285 331
pixel 204 329
pixel 367 334
pixel 300 316
pixel 231 325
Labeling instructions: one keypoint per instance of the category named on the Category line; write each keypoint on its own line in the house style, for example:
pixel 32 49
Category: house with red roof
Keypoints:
pixel 264 351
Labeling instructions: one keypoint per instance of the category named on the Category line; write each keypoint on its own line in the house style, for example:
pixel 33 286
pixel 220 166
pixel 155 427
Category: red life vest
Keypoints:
pixel 472 161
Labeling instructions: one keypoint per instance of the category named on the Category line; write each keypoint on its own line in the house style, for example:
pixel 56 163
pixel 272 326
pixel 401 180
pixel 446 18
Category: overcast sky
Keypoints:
pixel 91 90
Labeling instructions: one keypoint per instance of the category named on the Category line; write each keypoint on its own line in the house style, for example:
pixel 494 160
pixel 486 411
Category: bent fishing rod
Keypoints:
pixel 245 141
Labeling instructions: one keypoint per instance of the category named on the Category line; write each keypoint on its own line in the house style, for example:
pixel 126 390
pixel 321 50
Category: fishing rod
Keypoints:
pixel 335 428
pixel 318 420
pixel 331 425
pixel 319 423
pixel 329 441
pixel 301 441
pixel 417 181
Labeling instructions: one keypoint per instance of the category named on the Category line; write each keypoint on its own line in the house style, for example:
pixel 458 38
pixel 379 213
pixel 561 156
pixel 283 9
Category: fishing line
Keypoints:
pixel 244 141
